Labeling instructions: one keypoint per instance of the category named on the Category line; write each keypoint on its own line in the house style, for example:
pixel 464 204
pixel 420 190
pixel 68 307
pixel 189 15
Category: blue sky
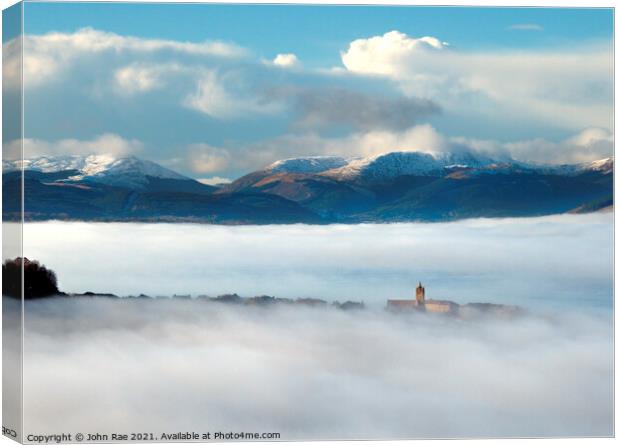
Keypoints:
pixel 200 88
pixel 265 28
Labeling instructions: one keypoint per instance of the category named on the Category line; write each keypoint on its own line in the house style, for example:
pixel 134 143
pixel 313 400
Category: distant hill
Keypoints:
pixel 413 186
pixel 98 188
pixel 397 186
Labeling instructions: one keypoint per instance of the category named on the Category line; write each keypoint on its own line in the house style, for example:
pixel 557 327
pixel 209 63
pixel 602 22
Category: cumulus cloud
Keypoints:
pixel 215 78
pixel 566 88
pixel 45 56
pixel 385 54
pixel 108 143
pixel 287 61
pixel 166 366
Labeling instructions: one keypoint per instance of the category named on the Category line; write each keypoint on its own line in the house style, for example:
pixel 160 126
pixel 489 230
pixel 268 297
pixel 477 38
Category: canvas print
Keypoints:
pixel 306 222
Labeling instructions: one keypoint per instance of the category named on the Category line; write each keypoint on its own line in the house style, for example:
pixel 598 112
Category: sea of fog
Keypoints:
pixel 168 365
pixel 163 366
pixel 546 262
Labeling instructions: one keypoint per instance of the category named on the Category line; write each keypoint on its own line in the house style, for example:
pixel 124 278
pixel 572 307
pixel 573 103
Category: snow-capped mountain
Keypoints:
pixel 398 186
pixel 391 165
pixel 386 165
pixel 311 164
pixel 604 166
pixel 125 172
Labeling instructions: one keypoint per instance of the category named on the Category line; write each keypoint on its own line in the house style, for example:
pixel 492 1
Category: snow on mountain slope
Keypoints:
pixel 391 165
pixel 311 164
pixel 127 172
pixel 604 166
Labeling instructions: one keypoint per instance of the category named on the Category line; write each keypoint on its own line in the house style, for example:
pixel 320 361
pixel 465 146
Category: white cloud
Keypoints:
pixel 589 145
pixel 204 158
pixel 286 61
pixel 385 54
pixel 591 136
pixel 92 40
pixel 569 88
pixel 423 138
pixel 250 157
pixel 140 78
pixel 212 98
pixel 206 77
pixel 45 56
pixel 214 180
pixel 228 95
pixel 111 144
pixel 12 64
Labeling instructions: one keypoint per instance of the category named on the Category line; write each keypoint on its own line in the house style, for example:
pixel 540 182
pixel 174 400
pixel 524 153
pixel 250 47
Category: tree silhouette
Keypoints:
pixel 38 280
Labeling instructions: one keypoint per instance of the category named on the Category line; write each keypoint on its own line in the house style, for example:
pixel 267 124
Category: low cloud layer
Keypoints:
pixel 110 144
pixel 534 262
pixel 233 161
pixel 167 366
pixel 588 145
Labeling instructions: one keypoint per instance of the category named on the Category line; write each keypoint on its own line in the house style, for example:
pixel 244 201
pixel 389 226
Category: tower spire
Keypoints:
pixel 419 293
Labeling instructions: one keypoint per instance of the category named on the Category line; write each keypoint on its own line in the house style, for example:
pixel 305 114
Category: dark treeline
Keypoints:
pixel 39 281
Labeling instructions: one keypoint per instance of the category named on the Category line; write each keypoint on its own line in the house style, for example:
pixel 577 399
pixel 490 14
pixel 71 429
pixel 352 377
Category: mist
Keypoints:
pixel 168 365
pixel 546 262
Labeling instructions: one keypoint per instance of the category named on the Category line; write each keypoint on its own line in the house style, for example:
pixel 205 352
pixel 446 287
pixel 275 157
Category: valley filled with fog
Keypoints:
pixel 547 262
pixel 167 365
pixel 125 365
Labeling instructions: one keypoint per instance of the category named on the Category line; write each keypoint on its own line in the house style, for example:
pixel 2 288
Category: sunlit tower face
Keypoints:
pixel 419 293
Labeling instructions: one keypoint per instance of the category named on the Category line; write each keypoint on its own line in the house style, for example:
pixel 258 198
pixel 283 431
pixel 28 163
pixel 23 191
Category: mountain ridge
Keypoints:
pixel 125 171
pixel 395 186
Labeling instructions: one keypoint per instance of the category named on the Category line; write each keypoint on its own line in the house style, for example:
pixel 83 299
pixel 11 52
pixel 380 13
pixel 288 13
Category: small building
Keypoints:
pixel 441 307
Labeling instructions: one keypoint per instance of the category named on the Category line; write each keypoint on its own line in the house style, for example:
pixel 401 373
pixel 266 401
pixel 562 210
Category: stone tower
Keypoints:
pixel 419 294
